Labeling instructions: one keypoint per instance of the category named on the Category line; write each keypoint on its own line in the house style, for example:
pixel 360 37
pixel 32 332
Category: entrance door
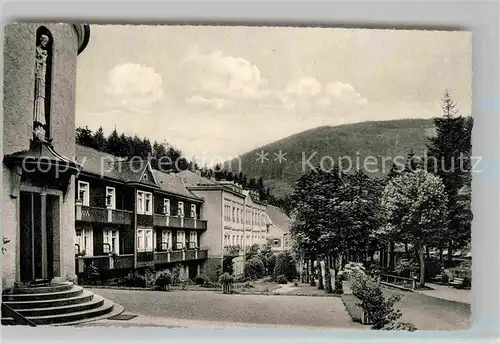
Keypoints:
pixel 36 237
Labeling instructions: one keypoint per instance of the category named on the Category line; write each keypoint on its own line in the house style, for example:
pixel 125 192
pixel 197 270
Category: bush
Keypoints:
pixel 226 278
pixel 134 281
pixel 227 265
pixel 351 269
pixel 400 326
pixel 200 280
pixel 248 285
pixel 254 268
pixel 285 265
pixel 164 281
pixel 379 310
pixel 281 279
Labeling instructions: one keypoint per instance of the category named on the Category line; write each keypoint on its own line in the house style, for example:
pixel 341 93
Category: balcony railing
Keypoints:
pixel 124 261
pixel 104 262
pixel 102 215
pixel 162 220
pixel 145 258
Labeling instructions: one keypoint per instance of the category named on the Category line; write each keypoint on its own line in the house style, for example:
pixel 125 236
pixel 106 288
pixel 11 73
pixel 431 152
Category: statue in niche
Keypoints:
pixel 39 121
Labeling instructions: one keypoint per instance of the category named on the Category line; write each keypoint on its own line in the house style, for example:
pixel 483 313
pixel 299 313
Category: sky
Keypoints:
pixel 219 91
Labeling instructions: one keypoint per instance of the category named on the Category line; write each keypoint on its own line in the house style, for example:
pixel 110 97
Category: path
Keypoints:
pixel 205 306
pixel 432 313
pixel 447 293
pixel 285 288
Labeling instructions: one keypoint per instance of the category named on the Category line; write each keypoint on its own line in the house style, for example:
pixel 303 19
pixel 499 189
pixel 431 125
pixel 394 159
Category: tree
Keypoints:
pixel 415 207
pixel 84 137
pixel 449 155
pixel 113 144
pixel 99 140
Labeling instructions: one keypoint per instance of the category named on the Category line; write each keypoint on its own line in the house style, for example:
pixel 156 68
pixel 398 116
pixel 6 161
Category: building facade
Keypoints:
pixel 38 151
pixel 131 217
pixel 236 219
pixel 278 226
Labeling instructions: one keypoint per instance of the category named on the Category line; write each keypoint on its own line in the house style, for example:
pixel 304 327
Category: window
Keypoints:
pixel 144 239
pixel 110 197
pixel 140 202
pixel 84 239
pixel 193 240
pixel 234 214
pixel 148 208
pixel 84 193
pixel 180 209
pixel 166 239
pixel 181 240
pixel 144 203
pixel 193 211
pixel 111 238
pixel 276 242
pixel 166 206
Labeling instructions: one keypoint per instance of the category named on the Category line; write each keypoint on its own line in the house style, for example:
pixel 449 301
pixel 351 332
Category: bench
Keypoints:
pixel 457 282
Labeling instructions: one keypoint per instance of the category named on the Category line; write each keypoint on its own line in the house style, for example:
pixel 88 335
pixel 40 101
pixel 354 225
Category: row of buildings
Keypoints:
pixel 66 208
pixel 129 216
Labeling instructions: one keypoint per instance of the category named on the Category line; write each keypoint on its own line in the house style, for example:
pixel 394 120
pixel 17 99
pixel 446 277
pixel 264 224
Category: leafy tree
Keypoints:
pixel 449 155
pixel 415 207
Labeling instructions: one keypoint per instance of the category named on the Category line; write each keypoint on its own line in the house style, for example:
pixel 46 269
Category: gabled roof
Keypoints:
pixel 193 179
pixel 97 163
pixel 172 184
pixel 134 171
pixel 278 218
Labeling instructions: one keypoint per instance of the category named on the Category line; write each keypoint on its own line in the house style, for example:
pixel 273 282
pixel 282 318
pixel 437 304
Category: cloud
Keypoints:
pixel 133 87
pixel 218 103
pixel 218 76
pixel 308 93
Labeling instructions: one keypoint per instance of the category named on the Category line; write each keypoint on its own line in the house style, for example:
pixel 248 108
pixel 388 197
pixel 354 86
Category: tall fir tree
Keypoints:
pixel 449 154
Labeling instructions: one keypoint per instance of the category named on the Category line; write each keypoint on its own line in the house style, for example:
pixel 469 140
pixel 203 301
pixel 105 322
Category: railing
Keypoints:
pixel 121 217
pixel 201 224
pixel 123 261
pixel 102 215
pixel 19 319
pixel 163 220
pixel 176 256
pixel 175 222
pixel 145 258
pixel 202 254
pixel 162 257
pixel 398 281
pixel 190 255
pixel 189 223
pixel 100 262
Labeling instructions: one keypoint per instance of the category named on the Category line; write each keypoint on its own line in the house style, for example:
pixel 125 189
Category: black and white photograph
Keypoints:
pixel 211 176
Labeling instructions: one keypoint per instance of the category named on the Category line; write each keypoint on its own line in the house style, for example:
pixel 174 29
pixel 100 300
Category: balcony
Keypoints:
pixel 102 215
pixel 162 220
pixel 104 262
pixel 163 257
pixel 145 258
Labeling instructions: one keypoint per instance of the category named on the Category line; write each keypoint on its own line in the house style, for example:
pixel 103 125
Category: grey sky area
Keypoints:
pixel 220 91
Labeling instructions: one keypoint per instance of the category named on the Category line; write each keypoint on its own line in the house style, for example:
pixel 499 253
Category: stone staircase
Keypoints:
pixel 55 304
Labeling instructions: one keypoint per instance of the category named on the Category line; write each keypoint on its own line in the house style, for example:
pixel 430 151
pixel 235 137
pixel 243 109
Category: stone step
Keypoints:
pixel 60 319
pixel 85 296
pixel 53 288
pixel 96 302
pixel 74 291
